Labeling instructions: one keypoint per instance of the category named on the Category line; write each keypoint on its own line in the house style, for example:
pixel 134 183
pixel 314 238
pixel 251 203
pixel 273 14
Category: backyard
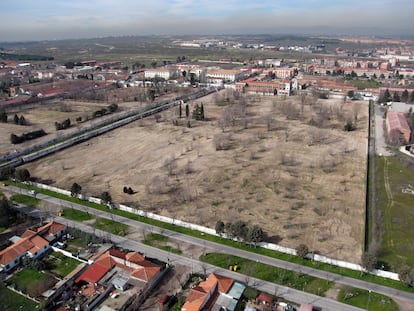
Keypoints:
pixel 11 301
pixel 31 281
pixel 60 265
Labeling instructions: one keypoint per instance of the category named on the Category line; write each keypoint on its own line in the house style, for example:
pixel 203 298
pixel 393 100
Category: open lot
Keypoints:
pixel 395 180
pixel 283 163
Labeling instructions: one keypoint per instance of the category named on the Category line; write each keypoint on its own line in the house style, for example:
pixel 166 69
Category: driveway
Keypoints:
pixel 380 144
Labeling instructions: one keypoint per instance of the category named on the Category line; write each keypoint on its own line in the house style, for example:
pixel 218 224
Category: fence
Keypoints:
pixel 275 247
pixel 23 294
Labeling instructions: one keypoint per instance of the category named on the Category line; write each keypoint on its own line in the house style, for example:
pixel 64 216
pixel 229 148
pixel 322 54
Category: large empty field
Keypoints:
pixel 285 164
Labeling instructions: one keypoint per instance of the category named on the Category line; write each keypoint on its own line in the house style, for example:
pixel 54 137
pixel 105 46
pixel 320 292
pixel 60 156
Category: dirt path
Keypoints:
pixel 390 204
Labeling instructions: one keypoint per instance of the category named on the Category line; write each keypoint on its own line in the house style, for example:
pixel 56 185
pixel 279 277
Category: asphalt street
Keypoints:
pixel 287 293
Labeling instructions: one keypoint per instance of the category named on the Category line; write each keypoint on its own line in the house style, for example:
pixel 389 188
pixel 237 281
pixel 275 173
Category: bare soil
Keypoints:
pixel 299 178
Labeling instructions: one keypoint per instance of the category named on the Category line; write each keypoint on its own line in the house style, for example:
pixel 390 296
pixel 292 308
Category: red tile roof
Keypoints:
pixel 30 241
pixel 203 294
pixel 93 274
pixel 263 297
pixel 52 227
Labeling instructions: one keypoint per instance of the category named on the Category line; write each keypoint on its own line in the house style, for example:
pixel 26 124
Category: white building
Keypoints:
pixel 163 73
pixel 226 75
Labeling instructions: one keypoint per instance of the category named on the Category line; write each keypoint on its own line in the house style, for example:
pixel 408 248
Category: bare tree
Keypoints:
pixel 171 165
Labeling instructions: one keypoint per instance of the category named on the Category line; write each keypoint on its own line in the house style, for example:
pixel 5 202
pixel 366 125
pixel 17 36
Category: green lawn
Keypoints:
pixel 60 264
pixel 365 84
pixel 160 241
pixel 398 216
pixel 269 273
pixel 74 214
pixel 30 281
pixel 366 300
pixel 25 199
pixel 11 301
pixel 111 226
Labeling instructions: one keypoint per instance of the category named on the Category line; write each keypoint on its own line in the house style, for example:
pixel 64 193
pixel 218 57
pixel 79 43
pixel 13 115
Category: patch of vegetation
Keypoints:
pixel 28 57
pixel 7 213
pixel 25 200
pixel 394 174
pixel 77 215
pixel 31 281
pixel 10 301
pixel 269 273
pixel 15 139
pixel 366 299
pixel 60 264
pixel 160 241
pixel 111 226
pixel 365 84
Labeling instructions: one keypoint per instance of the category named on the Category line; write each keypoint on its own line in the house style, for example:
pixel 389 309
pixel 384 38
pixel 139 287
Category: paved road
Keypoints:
pixel 393 293
pixel 199 267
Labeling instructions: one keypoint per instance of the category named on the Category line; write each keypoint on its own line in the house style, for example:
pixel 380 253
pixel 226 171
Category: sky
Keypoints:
pixel 28 20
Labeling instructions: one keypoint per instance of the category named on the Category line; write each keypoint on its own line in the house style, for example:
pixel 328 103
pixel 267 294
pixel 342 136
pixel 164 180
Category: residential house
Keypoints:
pixel 213 294
pixel 32 243
pixel 134 264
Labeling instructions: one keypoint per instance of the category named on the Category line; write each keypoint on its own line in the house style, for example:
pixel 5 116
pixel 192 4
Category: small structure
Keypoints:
pixel 262 299
pixel 397 125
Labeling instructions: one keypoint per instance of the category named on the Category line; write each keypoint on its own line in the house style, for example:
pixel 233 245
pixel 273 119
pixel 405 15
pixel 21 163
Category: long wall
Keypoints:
pixel 279 248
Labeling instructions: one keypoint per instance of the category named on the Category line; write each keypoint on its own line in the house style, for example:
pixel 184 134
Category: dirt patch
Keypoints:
pixel 170 285
pixel 290 170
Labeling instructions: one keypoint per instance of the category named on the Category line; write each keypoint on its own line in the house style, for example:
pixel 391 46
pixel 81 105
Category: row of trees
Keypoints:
pixel 110 109
pixel 16 119
pixel 21 174
pixel 241 231
pixel 7 213
pixel 15 139
pixel 396 97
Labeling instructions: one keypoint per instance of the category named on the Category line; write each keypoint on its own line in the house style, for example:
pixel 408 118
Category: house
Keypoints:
pixel 136 266
pixel 32 243
pixel 215 293
pixel 397 125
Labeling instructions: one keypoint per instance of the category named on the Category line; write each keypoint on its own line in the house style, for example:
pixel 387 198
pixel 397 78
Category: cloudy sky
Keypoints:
pixel 60 19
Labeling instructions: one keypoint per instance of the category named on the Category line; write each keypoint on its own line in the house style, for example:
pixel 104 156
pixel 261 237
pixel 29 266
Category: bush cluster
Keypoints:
pixel 15 139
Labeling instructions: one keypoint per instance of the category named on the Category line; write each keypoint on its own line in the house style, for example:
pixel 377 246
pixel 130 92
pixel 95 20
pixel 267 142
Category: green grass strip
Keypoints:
pixel 268 273
pixel 25 199
pixel 262 251
pixel 366 300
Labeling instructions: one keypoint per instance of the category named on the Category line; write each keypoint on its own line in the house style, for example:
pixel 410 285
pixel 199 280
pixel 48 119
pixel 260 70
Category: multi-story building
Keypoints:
pixel 162 73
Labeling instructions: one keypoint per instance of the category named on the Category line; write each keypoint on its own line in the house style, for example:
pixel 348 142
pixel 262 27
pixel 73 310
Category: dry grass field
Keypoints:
pixel 285 164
